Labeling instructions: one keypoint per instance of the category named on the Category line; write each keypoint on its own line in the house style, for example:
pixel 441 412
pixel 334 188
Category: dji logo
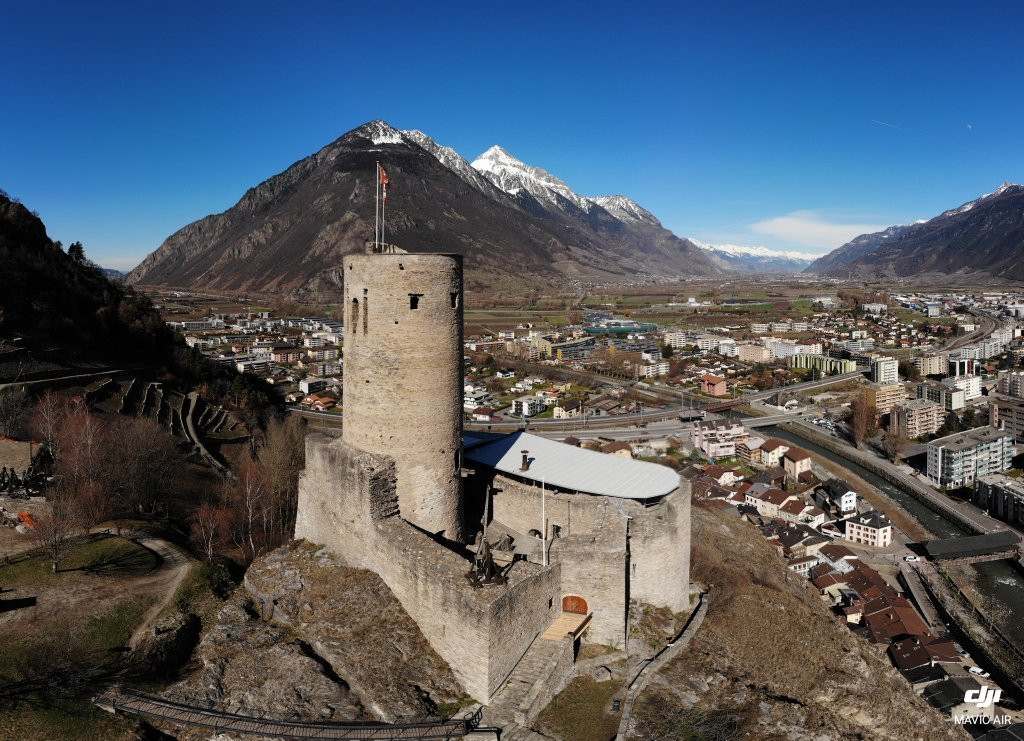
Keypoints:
pixel 983 697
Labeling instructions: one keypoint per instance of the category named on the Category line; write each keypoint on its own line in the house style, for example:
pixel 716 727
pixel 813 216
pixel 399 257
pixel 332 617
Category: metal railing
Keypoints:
pixel 131 701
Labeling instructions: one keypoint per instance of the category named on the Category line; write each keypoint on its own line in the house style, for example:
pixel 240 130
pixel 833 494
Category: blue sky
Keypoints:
pixel 789 125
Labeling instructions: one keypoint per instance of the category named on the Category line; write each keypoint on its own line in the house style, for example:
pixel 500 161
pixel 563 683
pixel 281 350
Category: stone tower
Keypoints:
pixel 403 378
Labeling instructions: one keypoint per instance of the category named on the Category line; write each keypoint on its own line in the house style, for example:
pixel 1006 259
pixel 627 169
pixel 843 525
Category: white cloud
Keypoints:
pixel 812 229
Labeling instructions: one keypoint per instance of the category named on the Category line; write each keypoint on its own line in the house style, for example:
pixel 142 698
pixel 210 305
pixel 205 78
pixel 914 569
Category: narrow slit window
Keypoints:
pixel 455 299
pixel 366 308
pixel 414 300
pixel 354 323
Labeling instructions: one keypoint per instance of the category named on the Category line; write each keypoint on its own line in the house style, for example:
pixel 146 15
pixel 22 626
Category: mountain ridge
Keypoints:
pixel 984 236
pixel 289 233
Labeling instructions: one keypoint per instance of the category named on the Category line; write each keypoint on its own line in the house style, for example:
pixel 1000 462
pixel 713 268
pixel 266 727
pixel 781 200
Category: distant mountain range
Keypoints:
pixel 759 259
pixel 981 238
pixel 516 223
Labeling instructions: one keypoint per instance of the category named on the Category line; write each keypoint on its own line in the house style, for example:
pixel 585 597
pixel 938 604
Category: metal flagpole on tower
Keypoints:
pixel 383 201
pixel 543 523
pixel 376 210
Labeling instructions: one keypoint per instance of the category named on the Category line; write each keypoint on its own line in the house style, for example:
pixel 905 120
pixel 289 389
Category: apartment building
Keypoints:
pixel 930 365
pixel 1007 412
pixel 1001 496
pixel 959 459
pixel 914 418
pixel 718 439
pixel 883 397
pixel 753 354
pixel 885 371
pixel 970 385
pixel 1011 384
pixel 949 398
pixel 869 528
pixel 824 364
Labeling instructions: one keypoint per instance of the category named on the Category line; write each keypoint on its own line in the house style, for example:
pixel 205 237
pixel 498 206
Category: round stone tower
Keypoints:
pixel 403 378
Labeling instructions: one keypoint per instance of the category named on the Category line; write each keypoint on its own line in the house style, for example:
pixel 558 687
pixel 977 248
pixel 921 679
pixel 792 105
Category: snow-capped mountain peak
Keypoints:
pixel 624 209
pixel 981 199
pixel 380 132
pixel 515 177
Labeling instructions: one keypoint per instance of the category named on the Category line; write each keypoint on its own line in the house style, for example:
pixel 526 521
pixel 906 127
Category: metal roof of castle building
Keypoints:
pixel 568 467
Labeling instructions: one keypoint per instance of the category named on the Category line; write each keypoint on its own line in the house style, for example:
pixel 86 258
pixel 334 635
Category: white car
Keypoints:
pixel 911 558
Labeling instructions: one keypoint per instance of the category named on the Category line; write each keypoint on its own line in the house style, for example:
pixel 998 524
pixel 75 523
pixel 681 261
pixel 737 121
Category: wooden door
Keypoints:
pixel 575 604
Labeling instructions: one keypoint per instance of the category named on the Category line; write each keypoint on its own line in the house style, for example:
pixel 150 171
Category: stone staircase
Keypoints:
pixel 543 672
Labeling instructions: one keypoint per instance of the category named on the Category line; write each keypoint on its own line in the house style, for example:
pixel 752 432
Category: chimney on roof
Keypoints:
pixel 526 461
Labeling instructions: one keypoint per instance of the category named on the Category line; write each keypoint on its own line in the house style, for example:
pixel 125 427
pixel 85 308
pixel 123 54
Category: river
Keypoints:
pixel 997 580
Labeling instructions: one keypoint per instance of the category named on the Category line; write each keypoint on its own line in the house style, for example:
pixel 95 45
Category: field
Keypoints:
pixel 66 634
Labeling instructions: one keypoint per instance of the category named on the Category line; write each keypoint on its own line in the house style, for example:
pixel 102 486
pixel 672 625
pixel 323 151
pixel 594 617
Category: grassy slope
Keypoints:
pixel 44 690
pixel 770 639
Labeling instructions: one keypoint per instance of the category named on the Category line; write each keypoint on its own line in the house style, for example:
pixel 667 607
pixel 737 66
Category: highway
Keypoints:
pixel 622 420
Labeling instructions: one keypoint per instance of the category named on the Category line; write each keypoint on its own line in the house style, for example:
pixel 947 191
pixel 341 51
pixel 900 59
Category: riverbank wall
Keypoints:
pixel 931 500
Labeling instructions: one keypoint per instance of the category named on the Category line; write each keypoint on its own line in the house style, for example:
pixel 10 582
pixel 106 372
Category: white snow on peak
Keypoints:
pixel 735 250
pixel 515 176
pixel 624 209
pixel 450 159
pixel 981 199
pixel 381 132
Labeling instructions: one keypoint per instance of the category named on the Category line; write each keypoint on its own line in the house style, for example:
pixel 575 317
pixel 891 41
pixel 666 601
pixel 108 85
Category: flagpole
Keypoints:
pixel 383 203
pixel 376 213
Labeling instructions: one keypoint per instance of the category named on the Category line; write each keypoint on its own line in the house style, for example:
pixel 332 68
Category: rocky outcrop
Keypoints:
pixel 252 667
pixel 356 656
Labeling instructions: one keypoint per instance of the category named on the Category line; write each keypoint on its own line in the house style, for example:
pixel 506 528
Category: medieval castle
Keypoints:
pixel 492 543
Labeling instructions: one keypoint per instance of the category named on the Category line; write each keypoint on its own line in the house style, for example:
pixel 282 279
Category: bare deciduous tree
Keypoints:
pixel 14 406
pixel 206 520
pixel 862 419
pixel 52 532
pixel 51 410
pixel 894 444
pixel 282 454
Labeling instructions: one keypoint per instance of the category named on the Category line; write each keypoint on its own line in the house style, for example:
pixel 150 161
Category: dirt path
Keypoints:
pixel 174 567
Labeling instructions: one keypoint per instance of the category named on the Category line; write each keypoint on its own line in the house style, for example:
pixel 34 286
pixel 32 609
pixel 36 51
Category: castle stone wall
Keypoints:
pixel 403 377
pixel 660 552
pixel 346 502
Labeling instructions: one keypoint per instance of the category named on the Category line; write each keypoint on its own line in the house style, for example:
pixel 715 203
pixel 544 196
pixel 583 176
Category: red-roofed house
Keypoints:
pixel 713 385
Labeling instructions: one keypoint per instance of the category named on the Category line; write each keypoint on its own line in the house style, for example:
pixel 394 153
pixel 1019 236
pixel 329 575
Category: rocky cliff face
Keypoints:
pixel 984 237
pixel 289 233
pixel 312 639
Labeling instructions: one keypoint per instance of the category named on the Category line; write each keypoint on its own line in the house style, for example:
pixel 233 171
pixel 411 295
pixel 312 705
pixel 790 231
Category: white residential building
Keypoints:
pixel 949 397
pixel 718 439
pixel 885 370
pixel 970 385
pixel 528 406
pixel 869 528
pixel 959 459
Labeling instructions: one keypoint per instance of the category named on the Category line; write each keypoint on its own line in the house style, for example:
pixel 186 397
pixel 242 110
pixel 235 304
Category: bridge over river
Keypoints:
pixel 996 546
